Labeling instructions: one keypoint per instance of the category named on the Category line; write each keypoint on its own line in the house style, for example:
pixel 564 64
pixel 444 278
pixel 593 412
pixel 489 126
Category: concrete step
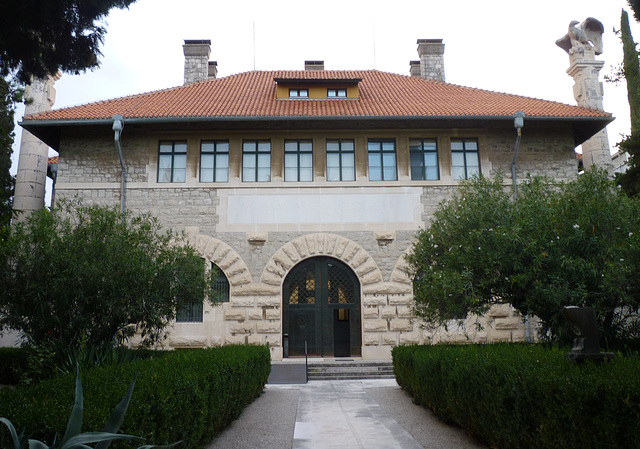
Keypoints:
pixel 343 370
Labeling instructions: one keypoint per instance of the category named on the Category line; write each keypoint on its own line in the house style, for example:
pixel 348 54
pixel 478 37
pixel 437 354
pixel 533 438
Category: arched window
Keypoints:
pixel 220 286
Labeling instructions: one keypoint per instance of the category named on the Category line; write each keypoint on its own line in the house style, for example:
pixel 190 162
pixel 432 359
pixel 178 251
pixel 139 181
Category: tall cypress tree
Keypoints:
pixel 630 180
pixel 8 97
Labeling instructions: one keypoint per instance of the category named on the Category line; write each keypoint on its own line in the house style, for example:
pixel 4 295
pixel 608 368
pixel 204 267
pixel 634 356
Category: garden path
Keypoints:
pixel 363 414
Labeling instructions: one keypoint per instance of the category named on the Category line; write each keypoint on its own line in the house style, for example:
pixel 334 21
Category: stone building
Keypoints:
pixel 305 188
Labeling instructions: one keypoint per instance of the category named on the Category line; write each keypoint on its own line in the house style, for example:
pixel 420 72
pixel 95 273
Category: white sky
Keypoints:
pixel 500 45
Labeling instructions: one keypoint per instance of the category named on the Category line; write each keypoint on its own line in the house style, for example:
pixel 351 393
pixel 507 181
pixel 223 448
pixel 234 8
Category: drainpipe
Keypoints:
pixel 518 124
pixel 118 124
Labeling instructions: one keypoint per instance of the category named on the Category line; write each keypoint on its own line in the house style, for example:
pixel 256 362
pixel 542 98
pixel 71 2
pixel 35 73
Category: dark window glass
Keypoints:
pixel 172 161
pixel 382 160
pixel 424 159
pixel 298 160
pixel 214 161
pixel 341 164
pixel 256 161
pixel 220 287
pixel 465 161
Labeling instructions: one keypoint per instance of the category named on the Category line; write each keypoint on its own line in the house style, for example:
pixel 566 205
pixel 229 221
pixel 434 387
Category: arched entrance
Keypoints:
pixel 321 305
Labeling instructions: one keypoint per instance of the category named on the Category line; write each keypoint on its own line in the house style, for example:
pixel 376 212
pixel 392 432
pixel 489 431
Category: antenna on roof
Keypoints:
pixel 374 46
pixel 254 46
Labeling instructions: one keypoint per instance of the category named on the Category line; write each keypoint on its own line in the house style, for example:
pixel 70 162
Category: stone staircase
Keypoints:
pixel 349 369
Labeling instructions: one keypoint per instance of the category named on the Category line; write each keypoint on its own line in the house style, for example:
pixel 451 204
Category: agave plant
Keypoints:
pixel 74 438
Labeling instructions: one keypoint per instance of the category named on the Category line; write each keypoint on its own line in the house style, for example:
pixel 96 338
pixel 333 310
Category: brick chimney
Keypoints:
pixel 431 52
pixel 196 60
pixel 314 65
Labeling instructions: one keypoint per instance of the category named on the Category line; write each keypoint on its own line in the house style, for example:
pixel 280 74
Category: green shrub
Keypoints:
pixel 13 362
pixel 187 395
pixel 525 396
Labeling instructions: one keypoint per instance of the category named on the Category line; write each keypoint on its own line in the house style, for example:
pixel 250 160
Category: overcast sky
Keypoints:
pixel 500 45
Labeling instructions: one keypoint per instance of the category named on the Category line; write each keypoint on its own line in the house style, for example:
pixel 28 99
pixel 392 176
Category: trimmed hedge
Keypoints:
pixel 188 395
pixel 13 362
pixel 525 396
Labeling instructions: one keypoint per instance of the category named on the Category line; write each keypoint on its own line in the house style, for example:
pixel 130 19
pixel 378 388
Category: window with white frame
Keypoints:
pixel 424 159
pixel 256 161
pixel 172 161
pixel 341 162
pixel 465 161
pixel 298 93
pixel 382 160
pixel 298 160
pixel 214 161
pixel 337 93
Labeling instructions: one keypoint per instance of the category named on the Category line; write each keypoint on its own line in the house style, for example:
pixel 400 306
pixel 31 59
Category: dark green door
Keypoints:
pixel 321 307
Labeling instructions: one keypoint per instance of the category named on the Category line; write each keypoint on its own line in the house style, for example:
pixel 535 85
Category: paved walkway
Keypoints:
pixel 363 414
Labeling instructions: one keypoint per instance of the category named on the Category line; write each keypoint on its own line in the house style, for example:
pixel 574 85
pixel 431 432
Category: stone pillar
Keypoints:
pixel 588 92
pixel 34 153
pixel 196 60
pixel 431 52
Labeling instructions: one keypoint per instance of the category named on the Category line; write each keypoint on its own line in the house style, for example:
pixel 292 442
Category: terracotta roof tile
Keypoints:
pixel 253 94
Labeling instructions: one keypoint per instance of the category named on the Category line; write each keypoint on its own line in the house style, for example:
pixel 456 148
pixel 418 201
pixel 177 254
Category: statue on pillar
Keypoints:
pixel 582 43
pixel 583 36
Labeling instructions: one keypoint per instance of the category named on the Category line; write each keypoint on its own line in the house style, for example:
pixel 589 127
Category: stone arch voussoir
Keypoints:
pixel 225 257
pixel 401 273
pixel 321 244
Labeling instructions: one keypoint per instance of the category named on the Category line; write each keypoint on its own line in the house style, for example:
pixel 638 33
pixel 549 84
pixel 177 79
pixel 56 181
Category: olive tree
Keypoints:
pixel 90 275
pixel 575 243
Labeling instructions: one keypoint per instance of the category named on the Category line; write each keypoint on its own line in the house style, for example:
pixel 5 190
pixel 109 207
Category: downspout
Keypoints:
pixel 518 124
pixel 118 124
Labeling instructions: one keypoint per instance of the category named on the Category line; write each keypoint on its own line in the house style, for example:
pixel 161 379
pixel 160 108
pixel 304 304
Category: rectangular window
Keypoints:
pixel 337 93
pixel 256 161
pixel 190 313
pixel 298 160
pixel 341 160
pixel 214 161
pixel 298 93
pixel 424 159
pixel 382 160
pixel 465 161
pixel 172 161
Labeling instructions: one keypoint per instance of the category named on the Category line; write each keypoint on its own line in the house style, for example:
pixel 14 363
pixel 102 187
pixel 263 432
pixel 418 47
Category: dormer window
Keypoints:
pixel 320 86
pixel 336 93
pixel 298 93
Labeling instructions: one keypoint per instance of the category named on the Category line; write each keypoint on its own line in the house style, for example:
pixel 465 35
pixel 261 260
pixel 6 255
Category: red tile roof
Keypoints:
pixel 253 95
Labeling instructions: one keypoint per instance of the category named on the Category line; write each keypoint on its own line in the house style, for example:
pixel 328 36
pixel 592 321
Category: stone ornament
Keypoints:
pixel 583 36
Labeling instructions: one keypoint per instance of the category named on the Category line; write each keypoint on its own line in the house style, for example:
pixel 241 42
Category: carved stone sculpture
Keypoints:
pixel 583 36
pixel 582 321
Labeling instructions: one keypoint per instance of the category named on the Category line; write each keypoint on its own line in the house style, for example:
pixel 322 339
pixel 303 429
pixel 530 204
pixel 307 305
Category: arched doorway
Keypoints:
pixel 321 305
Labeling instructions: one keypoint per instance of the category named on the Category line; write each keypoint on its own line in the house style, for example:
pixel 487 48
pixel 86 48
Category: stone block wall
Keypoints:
pixel 257 263
pixel 549 152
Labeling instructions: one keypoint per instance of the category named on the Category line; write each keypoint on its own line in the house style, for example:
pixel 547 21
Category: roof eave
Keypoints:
pixel 49 130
